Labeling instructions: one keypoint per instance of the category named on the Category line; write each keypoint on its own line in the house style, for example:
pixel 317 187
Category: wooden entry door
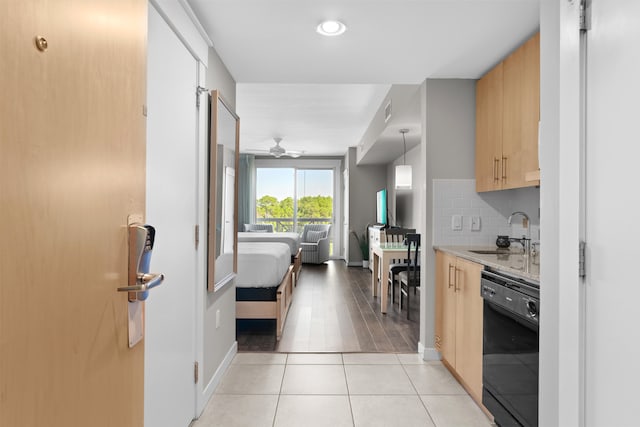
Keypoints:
pixel 72 168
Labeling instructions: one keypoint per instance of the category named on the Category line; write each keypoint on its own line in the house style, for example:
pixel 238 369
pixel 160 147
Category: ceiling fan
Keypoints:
pixel 278 151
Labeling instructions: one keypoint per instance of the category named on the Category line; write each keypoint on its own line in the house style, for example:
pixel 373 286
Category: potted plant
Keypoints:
pixel 363 243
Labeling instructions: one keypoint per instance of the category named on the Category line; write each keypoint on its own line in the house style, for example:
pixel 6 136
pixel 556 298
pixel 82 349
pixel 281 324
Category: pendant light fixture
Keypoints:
pixel 403 171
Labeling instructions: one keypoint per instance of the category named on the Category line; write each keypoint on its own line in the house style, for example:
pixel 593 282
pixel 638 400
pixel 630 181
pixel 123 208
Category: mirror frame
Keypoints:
pixel 216 102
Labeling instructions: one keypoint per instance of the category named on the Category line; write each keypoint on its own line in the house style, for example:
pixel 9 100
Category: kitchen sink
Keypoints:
pixel 491 251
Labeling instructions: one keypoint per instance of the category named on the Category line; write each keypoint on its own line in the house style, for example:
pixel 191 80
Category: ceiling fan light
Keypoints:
pixel 331 28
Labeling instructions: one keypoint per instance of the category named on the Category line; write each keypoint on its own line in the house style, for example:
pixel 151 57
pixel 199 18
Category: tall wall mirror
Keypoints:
pixel 224 142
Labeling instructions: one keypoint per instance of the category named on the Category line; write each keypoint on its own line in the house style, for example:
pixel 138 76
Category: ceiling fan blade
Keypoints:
pixel 294 154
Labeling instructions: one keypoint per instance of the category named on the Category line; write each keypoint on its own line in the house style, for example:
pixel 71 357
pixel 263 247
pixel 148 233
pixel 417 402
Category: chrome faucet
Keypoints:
pixel 525 241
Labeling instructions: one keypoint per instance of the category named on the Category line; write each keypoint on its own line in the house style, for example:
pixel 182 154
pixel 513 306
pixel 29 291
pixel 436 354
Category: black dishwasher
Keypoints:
pixel 510 348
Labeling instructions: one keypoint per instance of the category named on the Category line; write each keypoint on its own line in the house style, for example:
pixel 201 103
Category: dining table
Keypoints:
pixel 383 254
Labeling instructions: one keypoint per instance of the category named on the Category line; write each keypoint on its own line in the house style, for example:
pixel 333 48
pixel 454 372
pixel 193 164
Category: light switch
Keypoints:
pixel 456 222
pixel 475 223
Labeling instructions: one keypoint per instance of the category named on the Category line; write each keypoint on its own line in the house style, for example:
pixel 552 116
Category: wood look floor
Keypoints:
pixel 333 311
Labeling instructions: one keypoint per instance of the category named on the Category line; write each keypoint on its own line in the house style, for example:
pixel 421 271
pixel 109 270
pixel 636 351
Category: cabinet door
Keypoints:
pixel 521 76
pixel 469 325
pixel 489 120
pixel 446 307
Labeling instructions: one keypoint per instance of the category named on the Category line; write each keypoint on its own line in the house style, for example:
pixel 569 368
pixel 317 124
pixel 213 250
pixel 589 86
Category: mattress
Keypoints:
pixel 291 239
pixel 262 264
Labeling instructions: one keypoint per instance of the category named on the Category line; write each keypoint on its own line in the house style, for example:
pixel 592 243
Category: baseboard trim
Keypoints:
pixel 210 388
pixel 428 353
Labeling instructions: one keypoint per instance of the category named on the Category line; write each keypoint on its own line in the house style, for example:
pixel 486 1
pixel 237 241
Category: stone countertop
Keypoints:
pixel 512 261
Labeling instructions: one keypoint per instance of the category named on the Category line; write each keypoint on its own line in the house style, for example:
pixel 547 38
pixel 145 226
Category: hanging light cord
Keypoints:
pixel 404 143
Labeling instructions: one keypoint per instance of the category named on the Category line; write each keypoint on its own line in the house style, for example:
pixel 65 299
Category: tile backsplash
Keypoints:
pixel 458 197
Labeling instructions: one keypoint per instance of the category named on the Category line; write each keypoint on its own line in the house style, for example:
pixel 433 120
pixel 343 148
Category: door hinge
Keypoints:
pixel 585 15
pixel 196 375
pixel 199 91
pixel 581 259
pixel 197 235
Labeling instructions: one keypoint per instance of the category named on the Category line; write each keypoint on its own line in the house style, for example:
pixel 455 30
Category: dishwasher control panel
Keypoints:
pixel 516 296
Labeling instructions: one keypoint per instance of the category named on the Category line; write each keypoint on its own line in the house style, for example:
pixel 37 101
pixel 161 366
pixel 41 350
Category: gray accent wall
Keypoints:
pixel 219 78
pixel 447 151
pixel 218 341
pixel 364 183
pixel 404 206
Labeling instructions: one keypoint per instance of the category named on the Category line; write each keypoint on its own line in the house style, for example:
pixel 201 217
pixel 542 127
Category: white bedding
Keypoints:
pixel 262 264
pixel 291 239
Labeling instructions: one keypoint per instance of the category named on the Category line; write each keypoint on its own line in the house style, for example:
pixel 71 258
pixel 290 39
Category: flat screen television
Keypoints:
pixel 381 207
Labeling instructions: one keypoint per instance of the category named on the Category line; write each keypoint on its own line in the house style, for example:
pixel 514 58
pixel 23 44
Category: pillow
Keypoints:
pixel 315 236
pixel 255 230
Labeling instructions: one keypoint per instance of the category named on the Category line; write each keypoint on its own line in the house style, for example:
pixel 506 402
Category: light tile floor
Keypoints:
pixel 292 390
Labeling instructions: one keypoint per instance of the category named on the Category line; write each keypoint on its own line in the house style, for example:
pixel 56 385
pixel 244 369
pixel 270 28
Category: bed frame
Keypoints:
pixel 270 309
pixel 297 266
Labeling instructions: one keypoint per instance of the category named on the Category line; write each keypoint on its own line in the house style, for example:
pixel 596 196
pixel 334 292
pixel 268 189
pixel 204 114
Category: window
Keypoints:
pixel 291 197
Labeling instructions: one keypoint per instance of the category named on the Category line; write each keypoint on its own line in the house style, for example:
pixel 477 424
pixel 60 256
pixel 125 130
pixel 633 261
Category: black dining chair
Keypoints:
pixel 410 277
pixel 396 235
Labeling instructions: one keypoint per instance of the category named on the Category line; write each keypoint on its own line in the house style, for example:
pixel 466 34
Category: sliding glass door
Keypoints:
pixel 275 191
pixel 291 197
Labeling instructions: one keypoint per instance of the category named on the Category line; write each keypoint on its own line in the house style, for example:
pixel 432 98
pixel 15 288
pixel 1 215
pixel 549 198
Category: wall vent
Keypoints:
pixel 387 111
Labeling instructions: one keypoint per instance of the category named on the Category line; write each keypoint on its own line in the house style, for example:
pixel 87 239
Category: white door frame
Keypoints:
pixel 562 293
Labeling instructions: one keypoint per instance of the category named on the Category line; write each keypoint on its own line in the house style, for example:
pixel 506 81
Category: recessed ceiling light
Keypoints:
pixel 331 28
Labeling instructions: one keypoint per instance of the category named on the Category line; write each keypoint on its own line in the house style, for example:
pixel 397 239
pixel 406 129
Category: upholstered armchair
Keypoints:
pixel 315 243
pixel 260 228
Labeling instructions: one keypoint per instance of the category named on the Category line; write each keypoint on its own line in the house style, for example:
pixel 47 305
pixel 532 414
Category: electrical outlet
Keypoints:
pixel 475 223
pixel 217 319
pixel 456 222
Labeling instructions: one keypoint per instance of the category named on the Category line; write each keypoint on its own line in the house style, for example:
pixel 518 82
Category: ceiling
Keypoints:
pixel 320 94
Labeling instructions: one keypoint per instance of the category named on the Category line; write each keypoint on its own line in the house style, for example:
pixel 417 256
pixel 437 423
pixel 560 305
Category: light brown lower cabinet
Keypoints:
pixel 459 319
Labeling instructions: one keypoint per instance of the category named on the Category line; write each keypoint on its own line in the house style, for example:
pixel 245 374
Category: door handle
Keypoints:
pixel 504 167
pixel 146 281
pixel 451 266
pixel 141 239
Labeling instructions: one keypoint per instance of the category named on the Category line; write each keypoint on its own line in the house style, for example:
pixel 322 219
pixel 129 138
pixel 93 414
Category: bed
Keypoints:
pixel 264 283
pixel 291 239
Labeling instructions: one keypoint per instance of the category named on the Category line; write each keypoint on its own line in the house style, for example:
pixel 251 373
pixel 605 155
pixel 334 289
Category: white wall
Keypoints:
pixel 182 21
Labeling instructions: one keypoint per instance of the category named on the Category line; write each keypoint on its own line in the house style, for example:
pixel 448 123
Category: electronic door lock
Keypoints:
pixel 141 239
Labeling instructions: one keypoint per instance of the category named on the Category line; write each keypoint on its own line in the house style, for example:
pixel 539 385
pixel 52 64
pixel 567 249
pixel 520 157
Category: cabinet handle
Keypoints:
pixel 504 167
pixel 450 267
pixel 457 288
pixel 495 168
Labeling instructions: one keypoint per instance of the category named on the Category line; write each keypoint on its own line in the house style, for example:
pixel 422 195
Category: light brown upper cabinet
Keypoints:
pixel 507 115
